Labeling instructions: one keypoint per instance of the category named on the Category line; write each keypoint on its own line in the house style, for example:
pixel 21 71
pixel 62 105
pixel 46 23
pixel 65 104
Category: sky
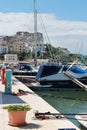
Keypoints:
pixel 62 22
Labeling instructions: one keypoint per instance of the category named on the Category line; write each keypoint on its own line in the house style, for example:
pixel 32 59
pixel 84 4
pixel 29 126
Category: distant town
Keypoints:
pixel 23 45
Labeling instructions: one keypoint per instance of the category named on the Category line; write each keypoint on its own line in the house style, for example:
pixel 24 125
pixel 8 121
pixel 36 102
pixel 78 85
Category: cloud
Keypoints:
pixel 63 33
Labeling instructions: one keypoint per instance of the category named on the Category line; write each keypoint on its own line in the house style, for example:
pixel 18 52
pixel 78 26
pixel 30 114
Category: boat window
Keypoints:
pixel 25 67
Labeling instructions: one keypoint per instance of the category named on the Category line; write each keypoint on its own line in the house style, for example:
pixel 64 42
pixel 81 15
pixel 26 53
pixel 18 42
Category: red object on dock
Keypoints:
pixel 3 75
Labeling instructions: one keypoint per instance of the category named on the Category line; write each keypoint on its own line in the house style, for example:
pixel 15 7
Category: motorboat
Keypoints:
pixel 82 119
pixel 56 75
pixel 24 69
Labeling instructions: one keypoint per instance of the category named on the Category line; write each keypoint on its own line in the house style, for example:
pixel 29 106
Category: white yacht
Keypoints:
pixel 62 76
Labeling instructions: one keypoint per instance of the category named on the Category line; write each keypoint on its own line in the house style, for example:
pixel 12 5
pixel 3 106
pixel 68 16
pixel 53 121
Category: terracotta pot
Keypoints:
pixel 17 118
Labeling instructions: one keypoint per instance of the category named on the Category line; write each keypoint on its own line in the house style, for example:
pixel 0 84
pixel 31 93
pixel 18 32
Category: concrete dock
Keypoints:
pixel 36 103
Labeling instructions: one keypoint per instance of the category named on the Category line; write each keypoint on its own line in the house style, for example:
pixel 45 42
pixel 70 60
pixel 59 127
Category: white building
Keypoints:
pixel 10 57
pixel 3 48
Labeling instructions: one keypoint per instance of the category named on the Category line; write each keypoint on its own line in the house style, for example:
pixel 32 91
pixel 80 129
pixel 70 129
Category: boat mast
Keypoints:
pixel 35 32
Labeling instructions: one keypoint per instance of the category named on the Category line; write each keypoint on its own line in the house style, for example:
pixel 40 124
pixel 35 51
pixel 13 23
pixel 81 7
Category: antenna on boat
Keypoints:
pixel 35 32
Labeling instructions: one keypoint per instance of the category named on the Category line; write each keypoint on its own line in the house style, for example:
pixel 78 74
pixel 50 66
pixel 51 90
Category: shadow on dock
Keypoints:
pixel 31 126
pixel 10 99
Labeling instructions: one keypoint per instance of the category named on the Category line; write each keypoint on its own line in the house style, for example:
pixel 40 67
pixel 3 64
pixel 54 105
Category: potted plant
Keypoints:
pixel 17 114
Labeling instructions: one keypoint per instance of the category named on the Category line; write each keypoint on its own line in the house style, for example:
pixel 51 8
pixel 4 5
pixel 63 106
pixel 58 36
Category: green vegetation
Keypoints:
pixel 17 107
pixel 1 56
pixel 50 52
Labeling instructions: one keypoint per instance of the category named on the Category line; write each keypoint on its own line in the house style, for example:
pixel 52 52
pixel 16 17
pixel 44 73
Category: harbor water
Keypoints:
pixel 67 102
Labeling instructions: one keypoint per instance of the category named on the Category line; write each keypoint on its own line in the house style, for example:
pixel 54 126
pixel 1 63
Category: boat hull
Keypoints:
pixel 64 83
pixel 51 84
pixel 24 73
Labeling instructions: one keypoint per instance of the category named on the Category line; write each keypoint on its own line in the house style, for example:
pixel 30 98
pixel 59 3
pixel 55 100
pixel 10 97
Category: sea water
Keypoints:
pixel 67 102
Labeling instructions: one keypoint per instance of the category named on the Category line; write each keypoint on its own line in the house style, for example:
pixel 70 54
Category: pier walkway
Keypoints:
pixel 36 103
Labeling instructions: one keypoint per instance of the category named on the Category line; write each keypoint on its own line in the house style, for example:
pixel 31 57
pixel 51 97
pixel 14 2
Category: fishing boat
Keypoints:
pixel 82 119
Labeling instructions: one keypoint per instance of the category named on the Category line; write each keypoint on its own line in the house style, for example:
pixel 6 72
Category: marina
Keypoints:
pixel 51 79
pixel 36 103
pixel 66 102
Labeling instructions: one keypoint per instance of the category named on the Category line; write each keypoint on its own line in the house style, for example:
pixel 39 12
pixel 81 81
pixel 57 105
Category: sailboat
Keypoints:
pixel 24 69
pixel 56 75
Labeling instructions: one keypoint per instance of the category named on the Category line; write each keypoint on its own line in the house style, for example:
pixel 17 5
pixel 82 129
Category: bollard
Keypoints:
pixel 8 81
pixel 3 75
